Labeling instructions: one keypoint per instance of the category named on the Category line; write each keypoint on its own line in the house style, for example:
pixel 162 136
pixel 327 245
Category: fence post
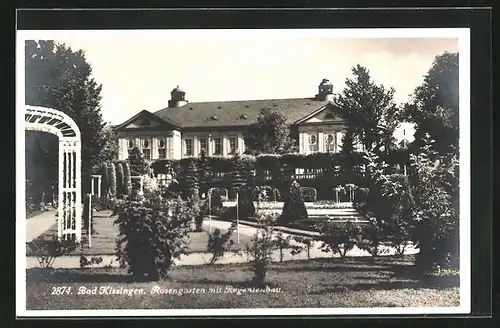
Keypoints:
pixel 90 220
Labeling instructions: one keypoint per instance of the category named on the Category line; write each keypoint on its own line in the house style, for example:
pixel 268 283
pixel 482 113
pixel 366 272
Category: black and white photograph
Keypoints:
pixel 243 172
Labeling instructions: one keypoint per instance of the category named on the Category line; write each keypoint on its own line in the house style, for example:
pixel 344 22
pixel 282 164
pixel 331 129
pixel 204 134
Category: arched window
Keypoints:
pixel 131 143
pixel 162 151
pixel 330 142
pixel 146 150
pixel 329 116
pixel 313 142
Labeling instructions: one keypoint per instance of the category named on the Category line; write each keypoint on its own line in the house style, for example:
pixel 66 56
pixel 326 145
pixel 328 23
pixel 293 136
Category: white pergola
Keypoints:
pixel 69 209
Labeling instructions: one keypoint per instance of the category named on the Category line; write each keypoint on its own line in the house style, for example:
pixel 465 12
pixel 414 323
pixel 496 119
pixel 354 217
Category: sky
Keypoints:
pixel 139 73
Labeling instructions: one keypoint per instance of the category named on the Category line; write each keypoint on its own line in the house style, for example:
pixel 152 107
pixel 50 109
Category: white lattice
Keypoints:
pixel 69 201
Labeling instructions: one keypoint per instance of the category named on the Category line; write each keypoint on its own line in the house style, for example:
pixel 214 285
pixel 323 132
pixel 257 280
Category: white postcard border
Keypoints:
pixel 463 35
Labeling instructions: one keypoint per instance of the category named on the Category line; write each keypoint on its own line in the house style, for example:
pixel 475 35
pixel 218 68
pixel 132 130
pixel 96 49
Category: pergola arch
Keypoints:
pixel 69 209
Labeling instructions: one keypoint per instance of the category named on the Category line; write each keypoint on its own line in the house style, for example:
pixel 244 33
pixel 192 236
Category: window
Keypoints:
pixel 131 143
pixel 313 143
pixel 162 151
pixel 146 150
pixel 329 116
pixel 204 145
pixel 233 145
pixel 188 146
pixel 217 146
pixel 329 141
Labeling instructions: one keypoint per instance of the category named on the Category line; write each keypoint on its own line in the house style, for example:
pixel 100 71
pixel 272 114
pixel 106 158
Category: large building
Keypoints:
pixel 183 128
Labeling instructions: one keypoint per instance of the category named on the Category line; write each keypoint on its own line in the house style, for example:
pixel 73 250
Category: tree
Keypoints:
pixel 369 111
pixel 127 183
pixel 204 171
pixel 271 134
pixel 105 179
pixel 242 185
pixel 294 209
pixel 138 165
pixel 119 179
pixel 112 180
pixel 191 182
pixel 435 185
pixel 434 105
pixel 60 78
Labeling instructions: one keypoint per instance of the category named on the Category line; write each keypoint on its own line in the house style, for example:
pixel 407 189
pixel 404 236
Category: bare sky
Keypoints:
pixel 139 74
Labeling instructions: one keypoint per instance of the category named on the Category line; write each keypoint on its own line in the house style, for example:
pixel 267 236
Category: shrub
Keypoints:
pixel 306 243
pixel 112 180
pixel 105 180
pixel 246 207
pixel 149 185
pixel 85 262
pixel 219 243
pixel 309 194
pixel 281 243
pixel 294 208
pixel 152 234
pixel 138 165
pixel 120 181
pixel 338 238
pixel 127 183
pixel 215 198
pixel 261 247
pixel 435 184
pixel 190 182
pixel 372 236
pixel 46 251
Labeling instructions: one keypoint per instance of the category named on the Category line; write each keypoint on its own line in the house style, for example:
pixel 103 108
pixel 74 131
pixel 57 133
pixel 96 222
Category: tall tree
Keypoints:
pixel 369 111
pixel 270 134
pixel 60 78
pixel 434 105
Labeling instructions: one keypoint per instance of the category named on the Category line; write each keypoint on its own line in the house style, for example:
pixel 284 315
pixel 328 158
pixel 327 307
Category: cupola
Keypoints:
pixel 177 98
pixel 325 91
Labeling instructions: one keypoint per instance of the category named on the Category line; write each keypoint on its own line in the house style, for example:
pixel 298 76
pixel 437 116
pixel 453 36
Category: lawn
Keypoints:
pixel 354 282
pixel 106 233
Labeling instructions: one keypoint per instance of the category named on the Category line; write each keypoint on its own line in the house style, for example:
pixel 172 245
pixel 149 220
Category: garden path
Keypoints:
pixel 37 225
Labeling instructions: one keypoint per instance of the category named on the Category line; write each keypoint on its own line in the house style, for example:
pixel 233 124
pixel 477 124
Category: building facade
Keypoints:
pixel 184 129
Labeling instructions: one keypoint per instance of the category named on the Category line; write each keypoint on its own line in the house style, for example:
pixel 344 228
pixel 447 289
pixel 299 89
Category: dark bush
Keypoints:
pixel 219 243
pixel 46 251
pixel 338 237
pixel 120 181
pixel 294 209
pixel 127 183
pixel 152 234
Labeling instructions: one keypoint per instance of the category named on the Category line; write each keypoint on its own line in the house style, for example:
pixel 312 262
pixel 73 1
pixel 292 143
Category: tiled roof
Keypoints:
pixel 236 113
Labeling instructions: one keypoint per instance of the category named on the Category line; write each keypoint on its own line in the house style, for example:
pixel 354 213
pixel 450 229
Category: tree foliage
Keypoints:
pixel 152 235
pixel 434 107
pixel 294 209
pixel 271 134
pixel 369 111
pixel 127 183
pixel 60 78
pixel 138 165
pixel 112 180
pixel 119 179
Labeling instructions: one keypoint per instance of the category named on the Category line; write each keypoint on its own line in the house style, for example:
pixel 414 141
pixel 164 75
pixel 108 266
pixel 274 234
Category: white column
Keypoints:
pixel 225 146
pixel 78 191
pixel 196 147
pixel 169 145
pixel 60 205
pixel 241 143
pixel 99 186
pixel 321 142
pixel 154 148
pixel 210 145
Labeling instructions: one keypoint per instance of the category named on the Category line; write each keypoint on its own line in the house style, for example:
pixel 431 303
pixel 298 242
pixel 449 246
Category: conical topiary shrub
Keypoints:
pixel 294 209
